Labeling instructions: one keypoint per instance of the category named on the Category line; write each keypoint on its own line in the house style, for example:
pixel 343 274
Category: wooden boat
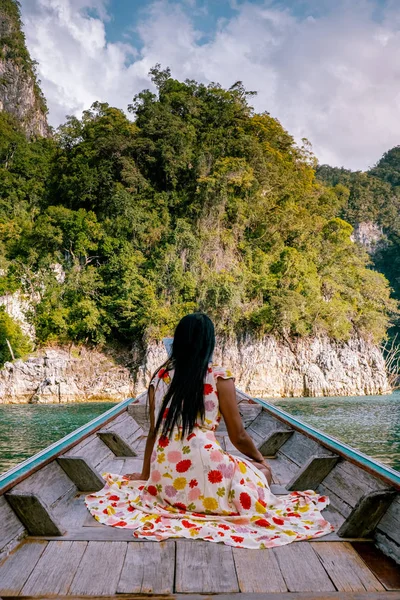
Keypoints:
pixel 51 546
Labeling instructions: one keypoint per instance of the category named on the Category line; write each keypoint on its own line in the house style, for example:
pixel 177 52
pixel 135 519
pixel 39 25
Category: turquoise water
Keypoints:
pixel 27 428
pixel 369 423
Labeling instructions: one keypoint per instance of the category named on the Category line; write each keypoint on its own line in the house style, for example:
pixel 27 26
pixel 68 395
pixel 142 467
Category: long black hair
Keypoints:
pixel 192 349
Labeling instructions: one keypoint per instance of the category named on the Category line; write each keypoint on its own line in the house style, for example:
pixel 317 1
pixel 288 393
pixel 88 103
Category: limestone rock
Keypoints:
pixel 266 367
pixel 269 367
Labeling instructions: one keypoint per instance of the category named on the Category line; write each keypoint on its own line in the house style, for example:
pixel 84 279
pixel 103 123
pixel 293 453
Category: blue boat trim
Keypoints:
pixel 383 472
pixel 33 463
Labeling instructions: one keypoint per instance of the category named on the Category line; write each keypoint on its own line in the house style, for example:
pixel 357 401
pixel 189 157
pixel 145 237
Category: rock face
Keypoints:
pixel 370 235
pixel 57 375
pixel 268 367
pixel 265 367
pixel 20 94
pixel 17 306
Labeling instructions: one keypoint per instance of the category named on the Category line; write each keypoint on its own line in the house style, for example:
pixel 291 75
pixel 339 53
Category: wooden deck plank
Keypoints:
pixel 244 596
pixel 149 568
pixel 346 569
pixel 99 570
pixel 283 469
pixel 258 572
pixel 16 569
pixel 205 567
pixel 11 527
pixel 55 570
pixel 302 569
pixel 383 567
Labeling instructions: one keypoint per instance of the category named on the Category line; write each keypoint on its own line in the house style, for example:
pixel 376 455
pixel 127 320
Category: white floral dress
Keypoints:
pixel 197 490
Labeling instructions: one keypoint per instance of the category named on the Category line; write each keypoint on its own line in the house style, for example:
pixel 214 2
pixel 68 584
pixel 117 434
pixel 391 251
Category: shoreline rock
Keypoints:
pixel 265 367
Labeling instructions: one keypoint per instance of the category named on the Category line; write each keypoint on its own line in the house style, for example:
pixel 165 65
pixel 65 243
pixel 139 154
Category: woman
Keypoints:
pixel 189 486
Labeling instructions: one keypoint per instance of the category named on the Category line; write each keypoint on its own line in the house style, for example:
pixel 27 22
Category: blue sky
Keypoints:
pixel 327 69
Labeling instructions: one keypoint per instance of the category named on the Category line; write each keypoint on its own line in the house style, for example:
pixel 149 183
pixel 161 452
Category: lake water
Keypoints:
pixel 27 428
pixel 369 423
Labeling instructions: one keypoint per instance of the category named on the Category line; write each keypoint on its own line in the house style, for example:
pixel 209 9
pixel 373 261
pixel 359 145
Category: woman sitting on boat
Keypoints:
pixel 189 486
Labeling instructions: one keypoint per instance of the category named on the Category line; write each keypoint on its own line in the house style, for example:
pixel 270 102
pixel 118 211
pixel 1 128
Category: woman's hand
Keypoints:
pixel 133 476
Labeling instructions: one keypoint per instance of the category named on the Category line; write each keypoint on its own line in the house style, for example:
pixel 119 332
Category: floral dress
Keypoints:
pixel 196 490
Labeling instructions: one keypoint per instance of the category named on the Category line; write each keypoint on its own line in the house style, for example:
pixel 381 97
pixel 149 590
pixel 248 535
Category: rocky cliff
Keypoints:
pixel 265 367
pixel 20 94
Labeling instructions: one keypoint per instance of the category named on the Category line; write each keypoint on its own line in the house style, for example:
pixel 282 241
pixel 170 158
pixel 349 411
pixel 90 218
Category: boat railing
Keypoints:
pixel 383 472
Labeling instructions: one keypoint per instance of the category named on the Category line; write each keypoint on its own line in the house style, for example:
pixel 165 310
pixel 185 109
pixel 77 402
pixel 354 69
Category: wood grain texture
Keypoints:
pixel 260 574
pixel 55 570
pixel 50 484
pixel 249 412
pixel 267 596
pixel 15 570
pixel 383 567
pixel 366 514
pixel 299 448
pixel 205 567
pixel 139 412
pixel 84 476
pixel 388 546
pixel 11 529
pixel 337 503
pixel 264 424
pixel 118 445
pixel 283 469
pixel 347 570
pixel 271 444
pixel 350 483
pixel 312 473
pixel 36 516
pixel 149 568
pixel 95 452
pixel 390 522
pixel 99 570
pixel 301 568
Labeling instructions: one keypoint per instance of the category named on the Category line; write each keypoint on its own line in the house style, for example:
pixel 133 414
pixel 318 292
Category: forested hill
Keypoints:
pixel 118 227
pixel 373 197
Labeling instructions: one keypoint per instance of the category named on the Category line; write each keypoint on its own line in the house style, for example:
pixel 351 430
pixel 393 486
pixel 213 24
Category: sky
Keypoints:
pixel 329 70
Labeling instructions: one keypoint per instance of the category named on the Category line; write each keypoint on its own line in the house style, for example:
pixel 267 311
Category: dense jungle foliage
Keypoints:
pixel 374 197
pixel 117 227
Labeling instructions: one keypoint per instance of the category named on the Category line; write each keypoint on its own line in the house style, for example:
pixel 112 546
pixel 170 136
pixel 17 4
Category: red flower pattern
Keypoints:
pixel 183 465
pixel 193 483
pixel 163 441
pixel 208 389
pixel 187 524
pixel 215 476
pixel 278 521
pixel 245 500
pixel 263 523
pixel 237 538
pixel 152 490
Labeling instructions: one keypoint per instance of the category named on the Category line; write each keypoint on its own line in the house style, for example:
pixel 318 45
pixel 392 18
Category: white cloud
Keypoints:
pixel 331 76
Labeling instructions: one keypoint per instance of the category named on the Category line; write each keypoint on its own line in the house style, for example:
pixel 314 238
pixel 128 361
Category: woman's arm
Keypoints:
pixel 151 438
pixel 236 431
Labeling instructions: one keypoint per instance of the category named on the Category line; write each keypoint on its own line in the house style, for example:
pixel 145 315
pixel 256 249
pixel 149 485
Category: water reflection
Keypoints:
pixel 25 429
pixel 369 423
